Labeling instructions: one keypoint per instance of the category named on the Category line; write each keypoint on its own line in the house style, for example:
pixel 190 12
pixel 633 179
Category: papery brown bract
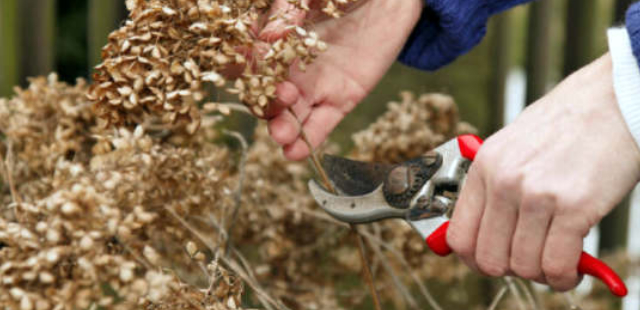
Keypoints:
pixel 410 128
pixel 85 225
pixel 160 60
pixel 92 227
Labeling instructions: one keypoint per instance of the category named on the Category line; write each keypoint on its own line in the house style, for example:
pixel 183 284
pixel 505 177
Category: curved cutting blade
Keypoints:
pixel 355 209
pixel 355 178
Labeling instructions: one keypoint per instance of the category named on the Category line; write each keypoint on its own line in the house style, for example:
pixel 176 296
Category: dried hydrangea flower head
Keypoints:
pixel 161 60
pixel 97 217
pixel 86 208
pixel 44 122
pixel 409 128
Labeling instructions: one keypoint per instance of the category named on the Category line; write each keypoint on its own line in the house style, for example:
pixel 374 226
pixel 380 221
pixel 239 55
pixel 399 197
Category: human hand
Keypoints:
pixel 362 46
pixel 537 186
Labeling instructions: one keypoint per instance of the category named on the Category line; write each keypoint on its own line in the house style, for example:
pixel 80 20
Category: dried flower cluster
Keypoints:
pixel 304 254
pixel 161 61
pixel 87 225
pixel 409 128
pixel 139 219
pixel 302 251
pixel 46 118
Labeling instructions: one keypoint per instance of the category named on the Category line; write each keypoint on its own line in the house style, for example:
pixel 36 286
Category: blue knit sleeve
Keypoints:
pixel 633 28
pixel 448 29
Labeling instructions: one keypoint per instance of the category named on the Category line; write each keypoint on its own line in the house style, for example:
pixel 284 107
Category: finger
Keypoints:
pixel 285 128
pixel 528 240
pixel 287 94
pixel 561 254
pixel 465 221
pixel 496 231
pixel 321 122
pixel 282 15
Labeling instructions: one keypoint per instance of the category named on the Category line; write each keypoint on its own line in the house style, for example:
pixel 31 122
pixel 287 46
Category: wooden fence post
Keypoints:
pixel 620 10
pixel 104 17
pixel 9 53
pixel 538 45
pixel 501 62
pixel 580 31
pixel 37 32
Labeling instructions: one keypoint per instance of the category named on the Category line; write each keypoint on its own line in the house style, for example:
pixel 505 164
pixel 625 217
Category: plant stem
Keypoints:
pixel 366 268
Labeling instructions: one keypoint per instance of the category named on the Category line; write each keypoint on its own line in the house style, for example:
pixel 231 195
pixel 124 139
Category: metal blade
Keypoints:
pixel 368 208
pixel 355 178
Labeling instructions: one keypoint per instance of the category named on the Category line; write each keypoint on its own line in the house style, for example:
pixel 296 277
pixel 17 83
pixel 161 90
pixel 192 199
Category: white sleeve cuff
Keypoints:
pixel 626 79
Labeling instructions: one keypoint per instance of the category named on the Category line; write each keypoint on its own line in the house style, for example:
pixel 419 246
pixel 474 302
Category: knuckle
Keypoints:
pixel 555 272
pixel 536 198
pixel 524 269
pixel 486 157
pixel 571 203
pixel 491 266
pixel 458 243
pixel 485 154
pixel 507 182
pixel 563 284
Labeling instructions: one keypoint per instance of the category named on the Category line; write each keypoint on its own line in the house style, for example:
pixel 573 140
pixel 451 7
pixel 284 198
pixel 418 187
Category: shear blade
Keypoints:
pixel 355 209
pixel 354 178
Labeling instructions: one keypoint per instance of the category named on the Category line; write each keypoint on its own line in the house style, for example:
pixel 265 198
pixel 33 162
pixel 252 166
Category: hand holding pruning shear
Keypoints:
pixel 531 195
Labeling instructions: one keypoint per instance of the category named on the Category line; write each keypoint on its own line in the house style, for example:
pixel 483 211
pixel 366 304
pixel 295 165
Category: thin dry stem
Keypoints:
pixel 571 302
pixel 230 263
pixel 252 276
pixel 238 107
pixel 147 265
pixel 515 292
pixel 7 172
pixel 498 298
pixel 366 268
pixel 404 291
pixel 530 294
pixel 238 196
pixel 423 289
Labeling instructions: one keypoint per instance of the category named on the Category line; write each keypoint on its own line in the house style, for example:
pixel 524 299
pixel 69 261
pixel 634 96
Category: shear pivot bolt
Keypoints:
pixel 399 180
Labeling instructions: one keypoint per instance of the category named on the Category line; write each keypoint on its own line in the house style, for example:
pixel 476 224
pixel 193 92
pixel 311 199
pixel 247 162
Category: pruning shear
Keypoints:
pixel 423 191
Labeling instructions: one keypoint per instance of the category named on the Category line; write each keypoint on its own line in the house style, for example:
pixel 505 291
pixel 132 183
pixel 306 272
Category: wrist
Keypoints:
pixel 626 81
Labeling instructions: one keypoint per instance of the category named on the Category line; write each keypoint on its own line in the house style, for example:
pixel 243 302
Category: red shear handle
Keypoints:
pixel 437 241
pixel 589 265
pixel 469 146
pixel 596 268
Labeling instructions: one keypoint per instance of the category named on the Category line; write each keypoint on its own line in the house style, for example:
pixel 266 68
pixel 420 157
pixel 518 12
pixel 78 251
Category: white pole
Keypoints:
pixel 632 301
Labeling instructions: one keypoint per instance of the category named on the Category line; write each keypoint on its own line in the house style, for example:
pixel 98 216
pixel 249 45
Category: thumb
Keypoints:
pixel 282 15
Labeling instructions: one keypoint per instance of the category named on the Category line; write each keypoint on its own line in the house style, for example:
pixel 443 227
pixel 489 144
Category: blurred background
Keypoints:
pixel 526 52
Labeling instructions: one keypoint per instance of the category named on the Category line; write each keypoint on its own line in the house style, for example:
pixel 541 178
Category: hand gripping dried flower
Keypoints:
pixel 161 60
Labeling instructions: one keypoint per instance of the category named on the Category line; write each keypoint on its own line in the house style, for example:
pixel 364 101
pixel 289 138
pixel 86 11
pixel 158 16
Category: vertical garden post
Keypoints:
pixel 580 31
pixel 538 45
pixel 104 17
pixel 37 31
pixel 501 62
pixel 9 55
